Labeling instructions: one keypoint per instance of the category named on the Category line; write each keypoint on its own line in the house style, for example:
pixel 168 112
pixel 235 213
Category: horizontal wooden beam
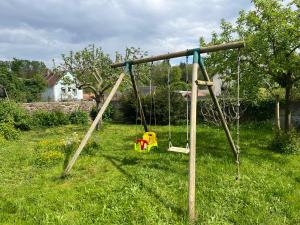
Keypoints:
pixel 213 48
pixel 206 83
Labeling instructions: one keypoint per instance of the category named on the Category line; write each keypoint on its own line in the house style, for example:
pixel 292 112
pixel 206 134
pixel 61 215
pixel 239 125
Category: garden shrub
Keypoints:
pixel 287 143
pixel 8 131
pixel 258 111
pixel 79 117
pixel 128 107
pixel 43 118
pixel 107 115
pixel 61 118
pixel 93 113
pixel 178 107
pixel 11 111
pixel 50 119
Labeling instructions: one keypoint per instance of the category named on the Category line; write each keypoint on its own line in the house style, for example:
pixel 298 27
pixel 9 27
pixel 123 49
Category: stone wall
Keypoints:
pixel 65 107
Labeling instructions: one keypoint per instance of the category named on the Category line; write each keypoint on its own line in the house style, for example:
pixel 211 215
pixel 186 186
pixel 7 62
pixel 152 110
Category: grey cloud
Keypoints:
pixel 43 30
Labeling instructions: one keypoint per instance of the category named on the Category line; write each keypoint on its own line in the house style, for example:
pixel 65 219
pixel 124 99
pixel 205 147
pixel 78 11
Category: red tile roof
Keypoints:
pixel 51 78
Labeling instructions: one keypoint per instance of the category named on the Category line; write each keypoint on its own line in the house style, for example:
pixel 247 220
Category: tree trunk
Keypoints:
pixel 288 115
pixel 277 115
pixel 99 101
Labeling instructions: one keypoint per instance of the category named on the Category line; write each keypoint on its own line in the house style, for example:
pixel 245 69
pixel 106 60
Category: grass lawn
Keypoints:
pixel 112 184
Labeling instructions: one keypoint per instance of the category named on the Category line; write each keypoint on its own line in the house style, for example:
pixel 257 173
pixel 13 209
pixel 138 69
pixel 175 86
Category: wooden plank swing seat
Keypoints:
pixel 185 150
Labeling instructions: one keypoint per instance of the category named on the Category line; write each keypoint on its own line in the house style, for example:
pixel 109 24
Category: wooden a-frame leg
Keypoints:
pixel 193 131
pixel 93 126
pixel 222 118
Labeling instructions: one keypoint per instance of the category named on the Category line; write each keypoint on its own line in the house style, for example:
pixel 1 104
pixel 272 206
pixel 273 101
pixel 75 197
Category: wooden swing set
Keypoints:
pixel 191 148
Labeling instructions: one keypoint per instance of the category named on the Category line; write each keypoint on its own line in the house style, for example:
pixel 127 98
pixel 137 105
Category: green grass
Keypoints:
pixel 115 185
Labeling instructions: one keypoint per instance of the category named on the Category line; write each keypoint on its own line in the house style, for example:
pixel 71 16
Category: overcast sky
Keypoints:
pixel 44 29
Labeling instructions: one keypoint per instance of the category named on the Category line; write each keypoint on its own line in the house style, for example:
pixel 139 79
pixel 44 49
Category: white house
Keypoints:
pixel 61 88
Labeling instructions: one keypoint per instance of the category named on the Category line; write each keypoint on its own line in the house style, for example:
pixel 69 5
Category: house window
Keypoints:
pixel 69 89
pixel 63 90
pixel 74 91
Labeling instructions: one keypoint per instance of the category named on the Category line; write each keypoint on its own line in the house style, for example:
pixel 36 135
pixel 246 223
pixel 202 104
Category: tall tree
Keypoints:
pixel 92 71
pixel 12 85
pixel 24 79
pixel 272 33
pixel 27 69
pixel 32 75
pixel 141 71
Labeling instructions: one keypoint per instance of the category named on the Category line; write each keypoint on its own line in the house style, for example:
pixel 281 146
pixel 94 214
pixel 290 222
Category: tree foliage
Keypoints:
pixel 23 79
pixel 91 68
pixel 271 56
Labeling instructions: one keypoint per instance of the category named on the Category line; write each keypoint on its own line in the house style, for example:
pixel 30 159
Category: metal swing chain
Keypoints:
pixel 154 110
pixel 151 95
pixel 169 102
pixel 238 115
pixel 153 98
pixel 136 116
pixel 136 121
pixel 138 110
pixel 187 100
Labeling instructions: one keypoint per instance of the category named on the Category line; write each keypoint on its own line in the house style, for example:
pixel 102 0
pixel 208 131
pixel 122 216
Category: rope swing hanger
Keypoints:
pixel 238 115
pixel 172 148
pixel 152 101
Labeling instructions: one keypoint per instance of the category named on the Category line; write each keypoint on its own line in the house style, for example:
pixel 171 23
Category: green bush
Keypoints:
pixel 50 119
pixel 178 107
pixel 79 117
pixel 61 118
pixel 107 116
pixel 287 143
pixel 258 111
pixel 11 111
pixel 8 131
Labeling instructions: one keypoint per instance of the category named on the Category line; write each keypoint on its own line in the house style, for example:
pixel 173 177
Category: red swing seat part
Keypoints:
pixel 142 143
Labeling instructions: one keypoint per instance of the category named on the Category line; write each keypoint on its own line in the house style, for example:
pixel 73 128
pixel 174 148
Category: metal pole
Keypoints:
pixel 214 48
pixel 192 160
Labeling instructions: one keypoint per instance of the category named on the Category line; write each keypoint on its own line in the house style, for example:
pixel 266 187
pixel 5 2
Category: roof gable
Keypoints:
pixel 52 78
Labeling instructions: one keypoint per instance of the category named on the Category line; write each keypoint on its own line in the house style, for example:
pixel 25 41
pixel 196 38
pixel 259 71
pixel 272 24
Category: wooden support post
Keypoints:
pixel 214 48
pixel 205 83
pixel 136 92
pixel 222 118
pixel 93 126
pixel 277 113
pixel 192 160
